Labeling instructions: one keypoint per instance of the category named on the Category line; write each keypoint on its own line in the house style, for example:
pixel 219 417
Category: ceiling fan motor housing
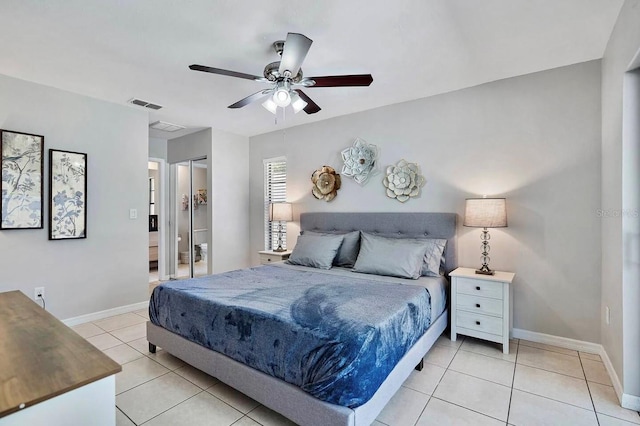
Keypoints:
pixel 271 72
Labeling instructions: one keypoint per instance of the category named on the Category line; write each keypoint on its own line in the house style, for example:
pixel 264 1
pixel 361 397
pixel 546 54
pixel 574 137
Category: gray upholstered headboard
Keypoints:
pixel 407 225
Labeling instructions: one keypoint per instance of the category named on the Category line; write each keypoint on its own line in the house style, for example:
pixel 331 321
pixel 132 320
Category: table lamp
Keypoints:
pixel 485 213
pixel 280 212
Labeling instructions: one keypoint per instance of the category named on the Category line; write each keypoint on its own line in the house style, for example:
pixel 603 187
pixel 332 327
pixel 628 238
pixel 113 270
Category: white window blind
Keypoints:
pixel 275 191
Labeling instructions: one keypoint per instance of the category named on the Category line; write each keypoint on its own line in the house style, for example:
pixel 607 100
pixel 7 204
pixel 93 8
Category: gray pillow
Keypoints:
pixel 394 257
pixel 316 251
pixel 348 251
pixel 433 265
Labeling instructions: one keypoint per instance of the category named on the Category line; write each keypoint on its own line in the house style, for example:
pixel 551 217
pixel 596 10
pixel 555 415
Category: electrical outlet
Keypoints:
pixel 133 213
pixel 607 315
pixel 38 293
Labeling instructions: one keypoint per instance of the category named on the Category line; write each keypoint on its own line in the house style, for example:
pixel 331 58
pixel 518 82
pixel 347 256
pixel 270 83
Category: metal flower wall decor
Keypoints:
pixel 403 181
pixel 360 161
pixel 326 183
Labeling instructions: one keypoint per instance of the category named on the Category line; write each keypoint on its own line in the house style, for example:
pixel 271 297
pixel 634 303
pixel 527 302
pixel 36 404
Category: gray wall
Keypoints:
pixel 158 148
pixel 534 139
pixel 109 268
pixel 230 201
pixel 617 257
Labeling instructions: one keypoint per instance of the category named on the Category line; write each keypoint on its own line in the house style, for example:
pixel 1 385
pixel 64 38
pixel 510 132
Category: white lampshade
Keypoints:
pixel 485 212
pixel 297 103
pixel 280 212
pixel 270 105
pixel 281 97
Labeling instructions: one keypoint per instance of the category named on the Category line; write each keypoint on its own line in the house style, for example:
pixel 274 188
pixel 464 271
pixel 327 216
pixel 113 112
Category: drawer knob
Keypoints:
pixel 478 287
pixel 477 305
pixel 477 322
pixel 268 260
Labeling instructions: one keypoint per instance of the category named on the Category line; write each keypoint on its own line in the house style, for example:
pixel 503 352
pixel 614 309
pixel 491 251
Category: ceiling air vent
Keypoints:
pixel 167 127
pixel 145 104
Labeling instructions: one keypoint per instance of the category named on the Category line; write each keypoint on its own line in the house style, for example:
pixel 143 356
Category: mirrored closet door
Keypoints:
pixel 191 211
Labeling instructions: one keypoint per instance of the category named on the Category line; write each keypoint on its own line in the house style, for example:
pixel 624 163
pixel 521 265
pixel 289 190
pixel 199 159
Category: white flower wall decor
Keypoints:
pixel 360 161
pixel 326 183
pixel 403 181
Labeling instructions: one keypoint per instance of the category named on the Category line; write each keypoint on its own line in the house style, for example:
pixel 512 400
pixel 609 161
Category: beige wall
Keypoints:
pixel 534 139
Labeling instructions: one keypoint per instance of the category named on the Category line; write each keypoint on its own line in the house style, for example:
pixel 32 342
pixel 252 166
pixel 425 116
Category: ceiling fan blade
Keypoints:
pixel 249 99
pixel 311 107
pixel 295 50
pixel 220 71
pixel 342 80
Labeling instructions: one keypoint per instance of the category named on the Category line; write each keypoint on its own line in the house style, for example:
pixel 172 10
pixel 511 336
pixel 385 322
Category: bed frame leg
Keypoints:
pixel 420 366
pixel 152 348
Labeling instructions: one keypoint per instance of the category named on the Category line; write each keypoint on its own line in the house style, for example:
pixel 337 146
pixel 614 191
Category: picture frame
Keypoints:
pixel 67 195
pixel 22 167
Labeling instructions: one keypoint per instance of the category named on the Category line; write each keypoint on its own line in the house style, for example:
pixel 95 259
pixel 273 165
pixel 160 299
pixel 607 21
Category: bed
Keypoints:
pixel 337 399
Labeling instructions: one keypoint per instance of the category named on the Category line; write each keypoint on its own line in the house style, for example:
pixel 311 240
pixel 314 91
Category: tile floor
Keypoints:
pixel 467 382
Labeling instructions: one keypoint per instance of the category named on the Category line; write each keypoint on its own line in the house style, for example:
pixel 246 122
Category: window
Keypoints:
pixel 275 191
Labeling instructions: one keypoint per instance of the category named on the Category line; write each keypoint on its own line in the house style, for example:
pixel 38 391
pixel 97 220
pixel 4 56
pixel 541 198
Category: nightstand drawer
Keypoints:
pixel 481 305
pixel 477 287
pixel 266 259
pixel 484 323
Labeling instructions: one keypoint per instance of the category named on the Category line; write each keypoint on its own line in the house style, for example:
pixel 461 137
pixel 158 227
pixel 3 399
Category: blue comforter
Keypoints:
pixel 335 337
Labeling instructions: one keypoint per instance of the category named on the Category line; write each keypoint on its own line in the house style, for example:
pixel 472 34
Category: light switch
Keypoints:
pixel 133 213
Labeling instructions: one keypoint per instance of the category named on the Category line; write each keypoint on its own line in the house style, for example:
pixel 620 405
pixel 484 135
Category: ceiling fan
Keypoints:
pixel 285 76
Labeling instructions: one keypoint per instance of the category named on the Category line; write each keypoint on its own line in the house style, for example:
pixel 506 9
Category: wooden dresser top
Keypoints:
pixel 40 357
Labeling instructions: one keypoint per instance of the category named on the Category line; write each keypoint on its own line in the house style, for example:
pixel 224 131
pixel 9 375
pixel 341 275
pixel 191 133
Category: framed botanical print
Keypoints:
pixel 22 185
pixel 67 195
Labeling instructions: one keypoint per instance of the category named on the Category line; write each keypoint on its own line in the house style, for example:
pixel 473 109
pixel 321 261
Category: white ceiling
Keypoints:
pixel 119 49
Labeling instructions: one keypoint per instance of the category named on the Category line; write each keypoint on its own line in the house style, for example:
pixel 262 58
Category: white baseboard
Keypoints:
pixel 563 342
pixel 626 401
pixel 70 322
pixel 617 385
pixel 631 402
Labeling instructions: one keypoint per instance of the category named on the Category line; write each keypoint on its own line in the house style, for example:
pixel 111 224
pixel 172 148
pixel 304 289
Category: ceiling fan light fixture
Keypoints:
pixel 281 97
pixel 297 103
pixel 270 105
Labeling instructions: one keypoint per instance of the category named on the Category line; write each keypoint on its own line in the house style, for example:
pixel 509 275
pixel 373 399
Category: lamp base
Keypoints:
pixel 279 249
pixel 485 269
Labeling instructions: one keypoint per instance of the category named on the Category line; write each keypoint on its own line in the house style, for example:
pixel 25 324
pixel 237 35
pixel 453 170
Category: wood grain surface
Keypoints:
pixel 40 357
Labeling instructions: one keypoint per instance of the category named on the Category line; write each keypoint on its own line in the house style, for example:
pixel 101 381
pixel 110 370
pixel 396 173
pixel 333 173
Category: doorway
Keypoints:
pixel 156 170
pixel 191 209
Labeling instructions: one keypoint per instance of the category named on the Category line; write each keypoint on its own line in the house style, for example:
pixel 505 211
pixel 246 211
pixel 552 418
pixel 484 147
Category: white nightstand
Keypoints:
pixel 480 305
pixel 270 256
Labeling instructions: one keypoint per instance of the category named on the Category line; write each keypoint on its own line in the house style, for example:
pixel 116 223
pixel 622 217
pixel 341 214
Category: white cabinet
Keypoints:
pixel 480 305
